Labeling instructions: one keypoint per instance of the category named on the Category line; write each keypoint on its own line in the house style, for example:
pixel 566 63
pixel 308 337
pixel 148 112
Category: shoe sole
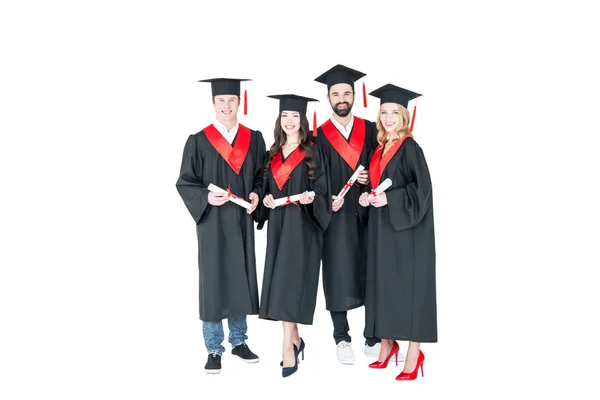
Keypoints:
pixel 254 361
pixel 347 362
pixel 212 371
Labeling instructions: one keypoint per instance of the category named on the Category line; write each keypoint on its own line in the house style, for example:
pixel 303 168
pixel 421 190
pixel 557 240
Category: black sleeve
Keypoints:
pixel 409 204
pixel 189 184
pixel 262 212
pixel 319 211
pixel 259 166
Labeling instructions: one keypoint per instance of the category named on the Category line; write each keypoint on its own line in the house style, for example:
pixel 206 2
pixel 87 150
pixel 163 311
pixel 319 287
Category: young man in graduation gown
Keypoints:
pixel 346 141
pixel 231 156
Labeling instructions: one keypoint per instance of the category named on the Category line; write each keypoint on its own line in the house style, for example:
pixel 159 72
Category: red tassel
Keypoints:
pixel 315 122
pixel 364 95
pixel 245 102
pixel 412 123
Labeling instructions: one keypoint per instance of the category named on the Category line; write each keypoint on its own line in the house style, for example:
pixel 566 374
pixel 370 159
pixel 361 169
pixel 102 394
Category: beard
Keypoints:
pixel 344 112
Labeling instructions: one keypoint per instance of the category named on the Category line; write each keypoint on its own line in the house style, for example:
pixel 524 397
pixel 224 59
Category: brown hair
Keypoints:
pixel 304 144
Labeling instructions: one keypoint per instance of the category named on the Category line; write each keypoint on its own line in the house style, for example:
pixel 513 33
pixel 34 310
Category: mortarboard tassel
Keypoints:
pixel 364 95
pixel 245 101
pixel 414 113
pixel 315 121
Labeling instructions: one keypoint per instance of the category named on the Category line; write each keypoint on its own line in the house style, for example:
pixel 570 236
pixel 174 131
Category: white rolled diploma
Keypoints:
pixel 383 186
pixel 232 198
pixel 351 181
pixel 288 199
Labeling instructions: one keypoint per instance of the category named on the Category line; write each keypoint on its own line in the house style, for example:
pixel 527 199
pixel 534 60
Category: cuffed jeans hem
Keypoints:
pixel 349 340
pixel 372 341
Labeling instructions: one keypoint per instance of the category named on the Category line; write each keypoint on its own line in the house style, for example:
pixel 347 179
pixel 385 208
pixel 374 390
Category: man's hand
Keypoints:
pixel 217 199
pixel 338 202
pixel 363 177
pixel 253 202
pixel 362 200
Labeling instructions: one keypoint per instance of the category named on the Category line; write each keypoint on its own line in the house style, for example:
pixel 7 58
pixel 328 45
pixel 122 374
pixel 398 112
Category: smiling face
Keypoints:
pixel 389 115
pixel 226 108
pixel 341 98
pixel 290 122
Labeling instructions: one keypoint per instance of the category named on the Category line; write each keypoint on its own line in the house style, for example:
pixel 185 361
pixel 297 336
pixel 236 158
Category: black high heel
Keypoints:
pixel 299 350
pixel 287 371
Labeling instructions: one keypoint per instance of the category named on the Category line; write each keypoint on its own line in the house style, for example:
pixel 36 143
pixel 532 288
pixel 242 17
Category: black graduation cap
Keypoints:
pixel 343 74
pixel 393 94
pixel 292 102
pixel 340 74
pixel 225 85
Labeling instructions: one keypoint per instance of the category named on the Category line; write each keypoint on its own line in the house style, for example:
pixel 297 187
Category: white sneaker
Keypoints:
pixel 373 351
pixel 345 354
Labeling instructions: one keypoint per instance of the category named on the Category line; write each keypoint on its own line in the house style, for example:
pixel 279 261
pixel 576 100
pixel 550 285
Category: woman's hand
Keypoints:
pixel 305 198
pixel 269 201
pixel 379 200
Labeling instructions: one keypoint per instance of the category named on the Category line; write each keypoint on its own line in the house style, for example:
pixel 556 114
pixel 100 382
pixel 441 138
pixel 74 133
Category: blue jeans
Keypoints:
pixel 213 334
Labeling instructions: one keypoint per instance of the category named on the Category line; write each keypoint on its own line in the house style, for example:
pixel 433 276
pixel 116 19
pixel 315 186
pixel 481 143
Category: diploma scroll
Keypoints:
pixel 351 181
pixel 233 198
pixel 290 199
pixel 383 186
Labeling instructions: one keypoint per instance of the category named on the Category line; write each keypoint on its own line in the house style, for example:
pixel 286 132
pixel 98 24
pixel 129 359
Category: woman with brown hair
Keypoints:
pixel 294 167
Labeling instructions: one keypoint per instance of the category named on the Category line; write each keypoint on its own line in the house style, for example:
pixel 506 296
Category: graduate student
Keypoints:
pixel 347 142
pixel 294 166
pixel 401 288
pixel 230 156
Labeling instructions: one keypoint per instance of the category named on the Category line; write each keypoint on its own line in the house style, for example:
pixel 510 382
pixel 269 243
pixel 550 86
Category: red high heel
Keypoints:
pixel 383 364
pixel 410 376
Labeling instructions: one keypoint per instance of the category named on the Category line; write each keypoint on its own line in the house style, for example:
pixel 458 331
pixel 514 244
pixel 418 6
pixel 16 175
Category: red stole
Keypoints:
pixel 378 163
pixel 349 151
pixel 235 155
pixel 282 170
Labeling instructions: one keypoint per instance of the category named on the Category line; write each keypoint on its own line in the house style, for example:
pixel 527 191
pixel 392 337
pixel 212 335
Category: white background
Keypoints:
pixel 98 283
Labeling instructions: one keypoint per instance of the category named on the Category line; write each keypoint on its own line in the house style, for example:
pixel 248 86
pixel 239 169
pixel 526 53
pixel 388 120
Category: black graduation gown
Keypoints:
pixel 401 290
pixel 226 257
pixel 294 244
pixel 345 245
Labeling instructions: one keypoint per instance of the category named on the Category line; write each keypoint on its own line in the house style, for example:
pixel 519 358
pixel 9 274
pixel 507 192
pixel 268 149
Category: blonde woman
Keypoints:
pixel 401 291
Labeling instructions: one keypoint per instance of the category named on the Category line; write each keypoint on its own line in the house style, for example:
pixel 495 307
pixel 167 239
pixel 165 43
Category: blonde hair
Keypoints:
pixel 403 129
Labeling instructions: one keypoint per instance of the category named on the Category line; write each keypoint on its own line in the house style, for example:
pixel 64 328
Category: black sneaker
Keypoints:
pixel 242 351
pixel 213 364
